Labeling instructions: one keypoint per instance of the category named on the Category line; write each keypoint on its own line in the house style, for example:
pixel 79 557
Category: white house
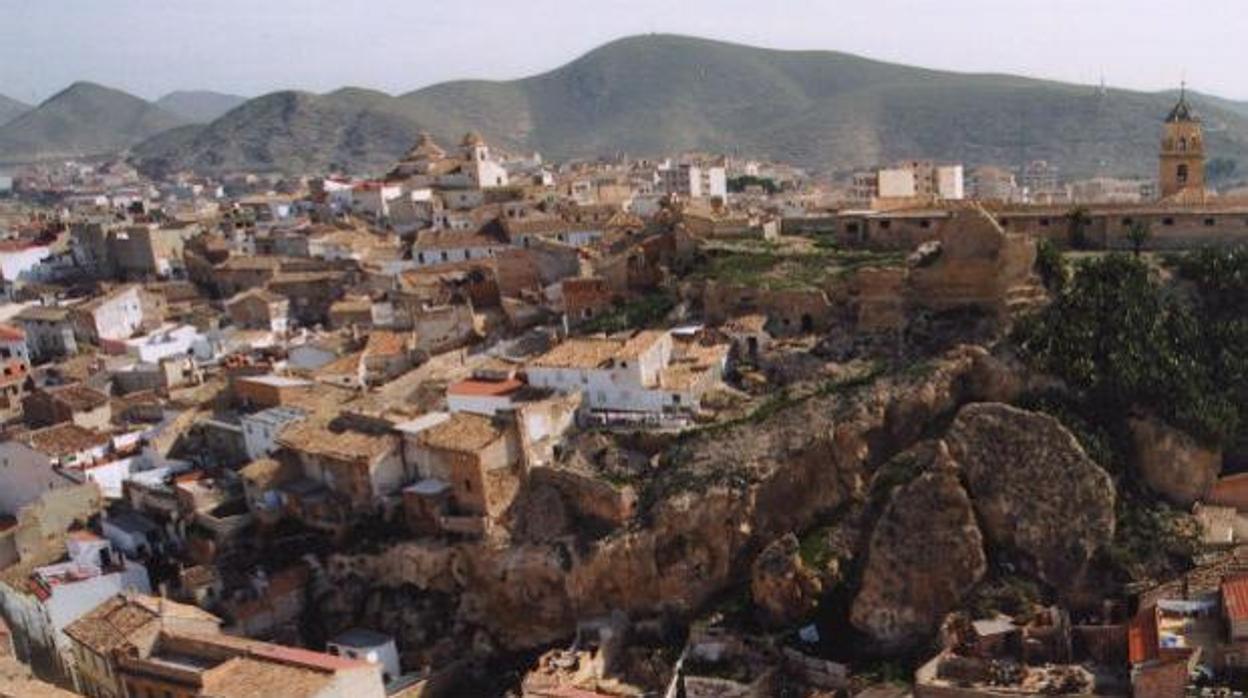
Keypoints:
pixel 19 260
pixel 646 374
pixel 483 397
pixel 41 606
pixel 443 247
pixel 169 341
pixel 260 429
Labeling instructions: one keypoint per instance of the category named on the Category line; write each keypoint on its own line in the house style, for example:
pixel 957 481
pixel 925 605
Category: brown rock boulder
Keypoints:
pixel 1172 463
pixel 925 553
pixel 1036 492
pixel 782 586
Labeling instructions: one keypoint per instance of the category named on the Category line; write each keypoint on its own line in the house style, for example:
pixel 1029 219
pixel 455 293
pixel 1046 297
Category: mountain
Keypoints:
pixel 10 109
pixel 831 112
pixel 84 119
pixel 289 131
pixel 199 106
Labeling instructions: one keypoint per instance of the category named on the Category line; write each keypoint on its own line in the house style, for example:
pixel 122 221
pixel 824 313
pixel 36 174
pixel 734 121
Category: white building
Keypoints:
pixel 483 397
pixel 167 342
pixel 483 170
pixel 445 247
pixel 18 259
pixel 647 373
pixel 40 608
pixel 692 182
pixel 260 429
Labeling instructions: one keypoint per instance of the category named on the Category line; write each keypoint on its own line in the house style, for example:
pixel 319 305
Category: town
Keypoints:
pixel 687 425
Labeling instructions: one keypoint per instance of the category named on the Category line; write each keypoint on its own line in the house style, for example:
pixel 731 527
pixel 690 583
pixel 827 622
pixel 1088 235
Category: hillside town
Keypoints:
pixel 694 425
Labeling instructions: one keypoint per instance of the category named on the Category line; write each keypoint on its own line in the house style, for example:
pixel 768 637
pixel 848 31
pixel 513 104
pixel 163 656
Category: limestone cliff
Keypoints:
pixel 1036 492
pixel 926 553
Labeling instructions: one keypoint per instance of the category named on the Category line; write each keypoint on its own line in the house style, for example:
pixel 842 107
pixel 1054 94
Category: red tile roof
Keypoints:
pixel 1230 491
pixel 11 333
pixel 1235 598
pixel 484 388
pixel 307 658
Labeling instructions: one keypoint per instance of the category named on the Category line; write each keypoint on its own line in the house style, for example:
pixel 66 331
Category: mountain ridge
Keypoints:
pixel 199 106
pixel 11 108
pixel 85 119
pixel 828 111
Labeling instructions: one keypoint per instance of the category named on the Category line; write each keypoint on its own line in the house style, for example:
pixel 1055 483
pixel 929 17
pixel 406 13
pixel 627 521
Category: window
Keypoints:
pixel 467 485
pixel 885 225
pixel 925 223
pixel 444 257
pixel 1044 222
pixel 1209 222
pixel 1005 222
pixel 851 227
pixel 1181 174
pixel 1167 221
pixel 675 399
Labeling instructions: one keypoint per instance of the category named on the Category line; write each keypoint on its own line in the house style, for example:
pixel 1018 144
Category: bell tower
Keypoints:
pixel 1182 166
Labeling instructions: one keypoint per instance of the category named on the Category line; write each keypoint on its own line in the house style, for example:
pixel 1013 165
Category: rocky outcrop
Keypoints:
pixel 784 589
pixel 1036 492
pixel 713 503
pixel 1172 463
pixel 926 553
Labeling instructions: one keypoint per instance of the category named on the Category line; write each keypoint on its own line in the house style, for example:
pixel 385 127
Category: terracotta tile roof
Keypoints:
pixel 579 353
pixel 316 439
pixel 640 343
pixel 454 240
pixel 115 622
pixel 65 439
pixel 79 397
pixel 249 677
pixel 1235 598
pixel 267 472
pixel 462 433
pixel 383 343
pixel 11 333
pixel 484 388
pixel 1230 491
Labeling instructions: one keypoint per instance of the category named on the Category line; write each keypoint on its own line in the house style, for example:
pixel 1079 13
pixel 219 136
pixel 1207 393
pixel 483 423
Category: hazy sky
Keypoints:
pixel 249 47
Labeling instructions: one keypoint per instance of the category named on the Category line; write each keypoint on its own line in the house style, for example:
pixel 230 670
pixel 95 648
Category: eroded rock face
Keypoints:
pixel 783 588
pixel 729 493
pixel 1036 492
pixel 926 553
pixel 1172 463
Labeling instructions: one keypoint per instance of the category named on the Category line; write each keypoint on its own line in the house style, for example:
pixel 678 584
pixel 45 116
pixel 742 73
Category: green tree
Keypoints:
pixel 1121 340
pixel 1077 221
pixel 1138 234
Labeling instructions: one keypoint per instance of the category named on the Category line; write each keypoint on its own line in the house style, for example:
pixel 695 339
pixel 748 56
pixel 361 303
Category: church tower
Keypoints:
pixel 1182 171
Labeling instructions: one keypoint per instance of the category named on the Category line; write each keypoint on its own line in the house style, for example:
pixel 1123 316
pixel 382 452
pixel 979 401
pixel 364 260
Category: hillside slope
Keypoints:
pixel 10 109
pixel 199 106
pixel 82 120
pixel 831 112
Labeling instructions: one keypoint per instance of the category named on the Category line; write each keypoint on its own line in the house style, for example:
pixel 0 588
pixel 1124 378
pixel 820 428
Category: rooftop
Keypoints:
pixel 317 439
pixel 462 433
pixel 65 439
pixel 476 387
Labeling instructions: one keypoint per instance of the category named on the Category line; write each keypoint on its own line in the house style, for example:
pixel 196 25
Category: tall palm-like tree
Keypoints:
pixel 1138 234
pixel 1077 221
